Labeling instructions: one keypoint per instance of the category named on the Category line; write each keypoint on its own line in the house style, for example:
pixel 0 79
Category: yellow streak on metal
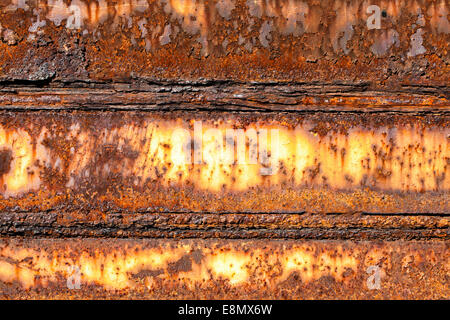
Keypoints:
pixel 114 269
pixel 417 161
pixel 132 266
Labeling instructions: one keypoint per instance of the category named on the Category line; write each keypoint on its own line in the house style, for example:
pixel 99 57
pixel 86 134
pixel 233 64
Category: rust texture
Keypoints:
pixel 209 95
pixel 196 149
pixel 276 40
pixel 137 162
pixel 205 269
pixel 55 224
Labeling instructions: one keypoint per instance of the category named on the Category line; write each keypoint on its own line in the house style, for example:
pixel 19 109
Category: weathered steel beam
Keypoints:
pixel 57 224
pixel 142 95
pixel 218 269
pixel 224 162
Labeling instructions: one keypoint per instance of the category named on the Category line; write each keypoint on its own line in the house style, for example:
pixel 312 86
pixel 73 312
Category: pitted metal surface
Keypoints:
pixel 224 149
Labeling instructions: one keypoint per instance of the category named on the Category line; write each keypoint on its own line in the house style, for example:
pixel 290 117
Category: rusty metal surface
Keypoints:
pixel 282 40
pixel 219 269
pixel 56 224
pixel 223 96
pixel 105 107
pixel 134 162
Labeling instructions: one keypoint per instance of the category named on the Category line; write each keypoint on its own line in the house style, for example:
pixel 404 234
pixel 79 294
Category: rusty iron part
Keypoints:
pixel 106 105
pixel 276 40
pixel 130 162
pixel 55 224
pixel 212 95
pixel 218 269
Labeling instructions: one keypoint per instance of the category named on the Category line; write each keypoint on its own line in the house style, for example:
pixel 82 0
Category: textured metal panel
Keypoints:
pixel 205 269
pixel 284 40
pixel 105 107
pixel 320 163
